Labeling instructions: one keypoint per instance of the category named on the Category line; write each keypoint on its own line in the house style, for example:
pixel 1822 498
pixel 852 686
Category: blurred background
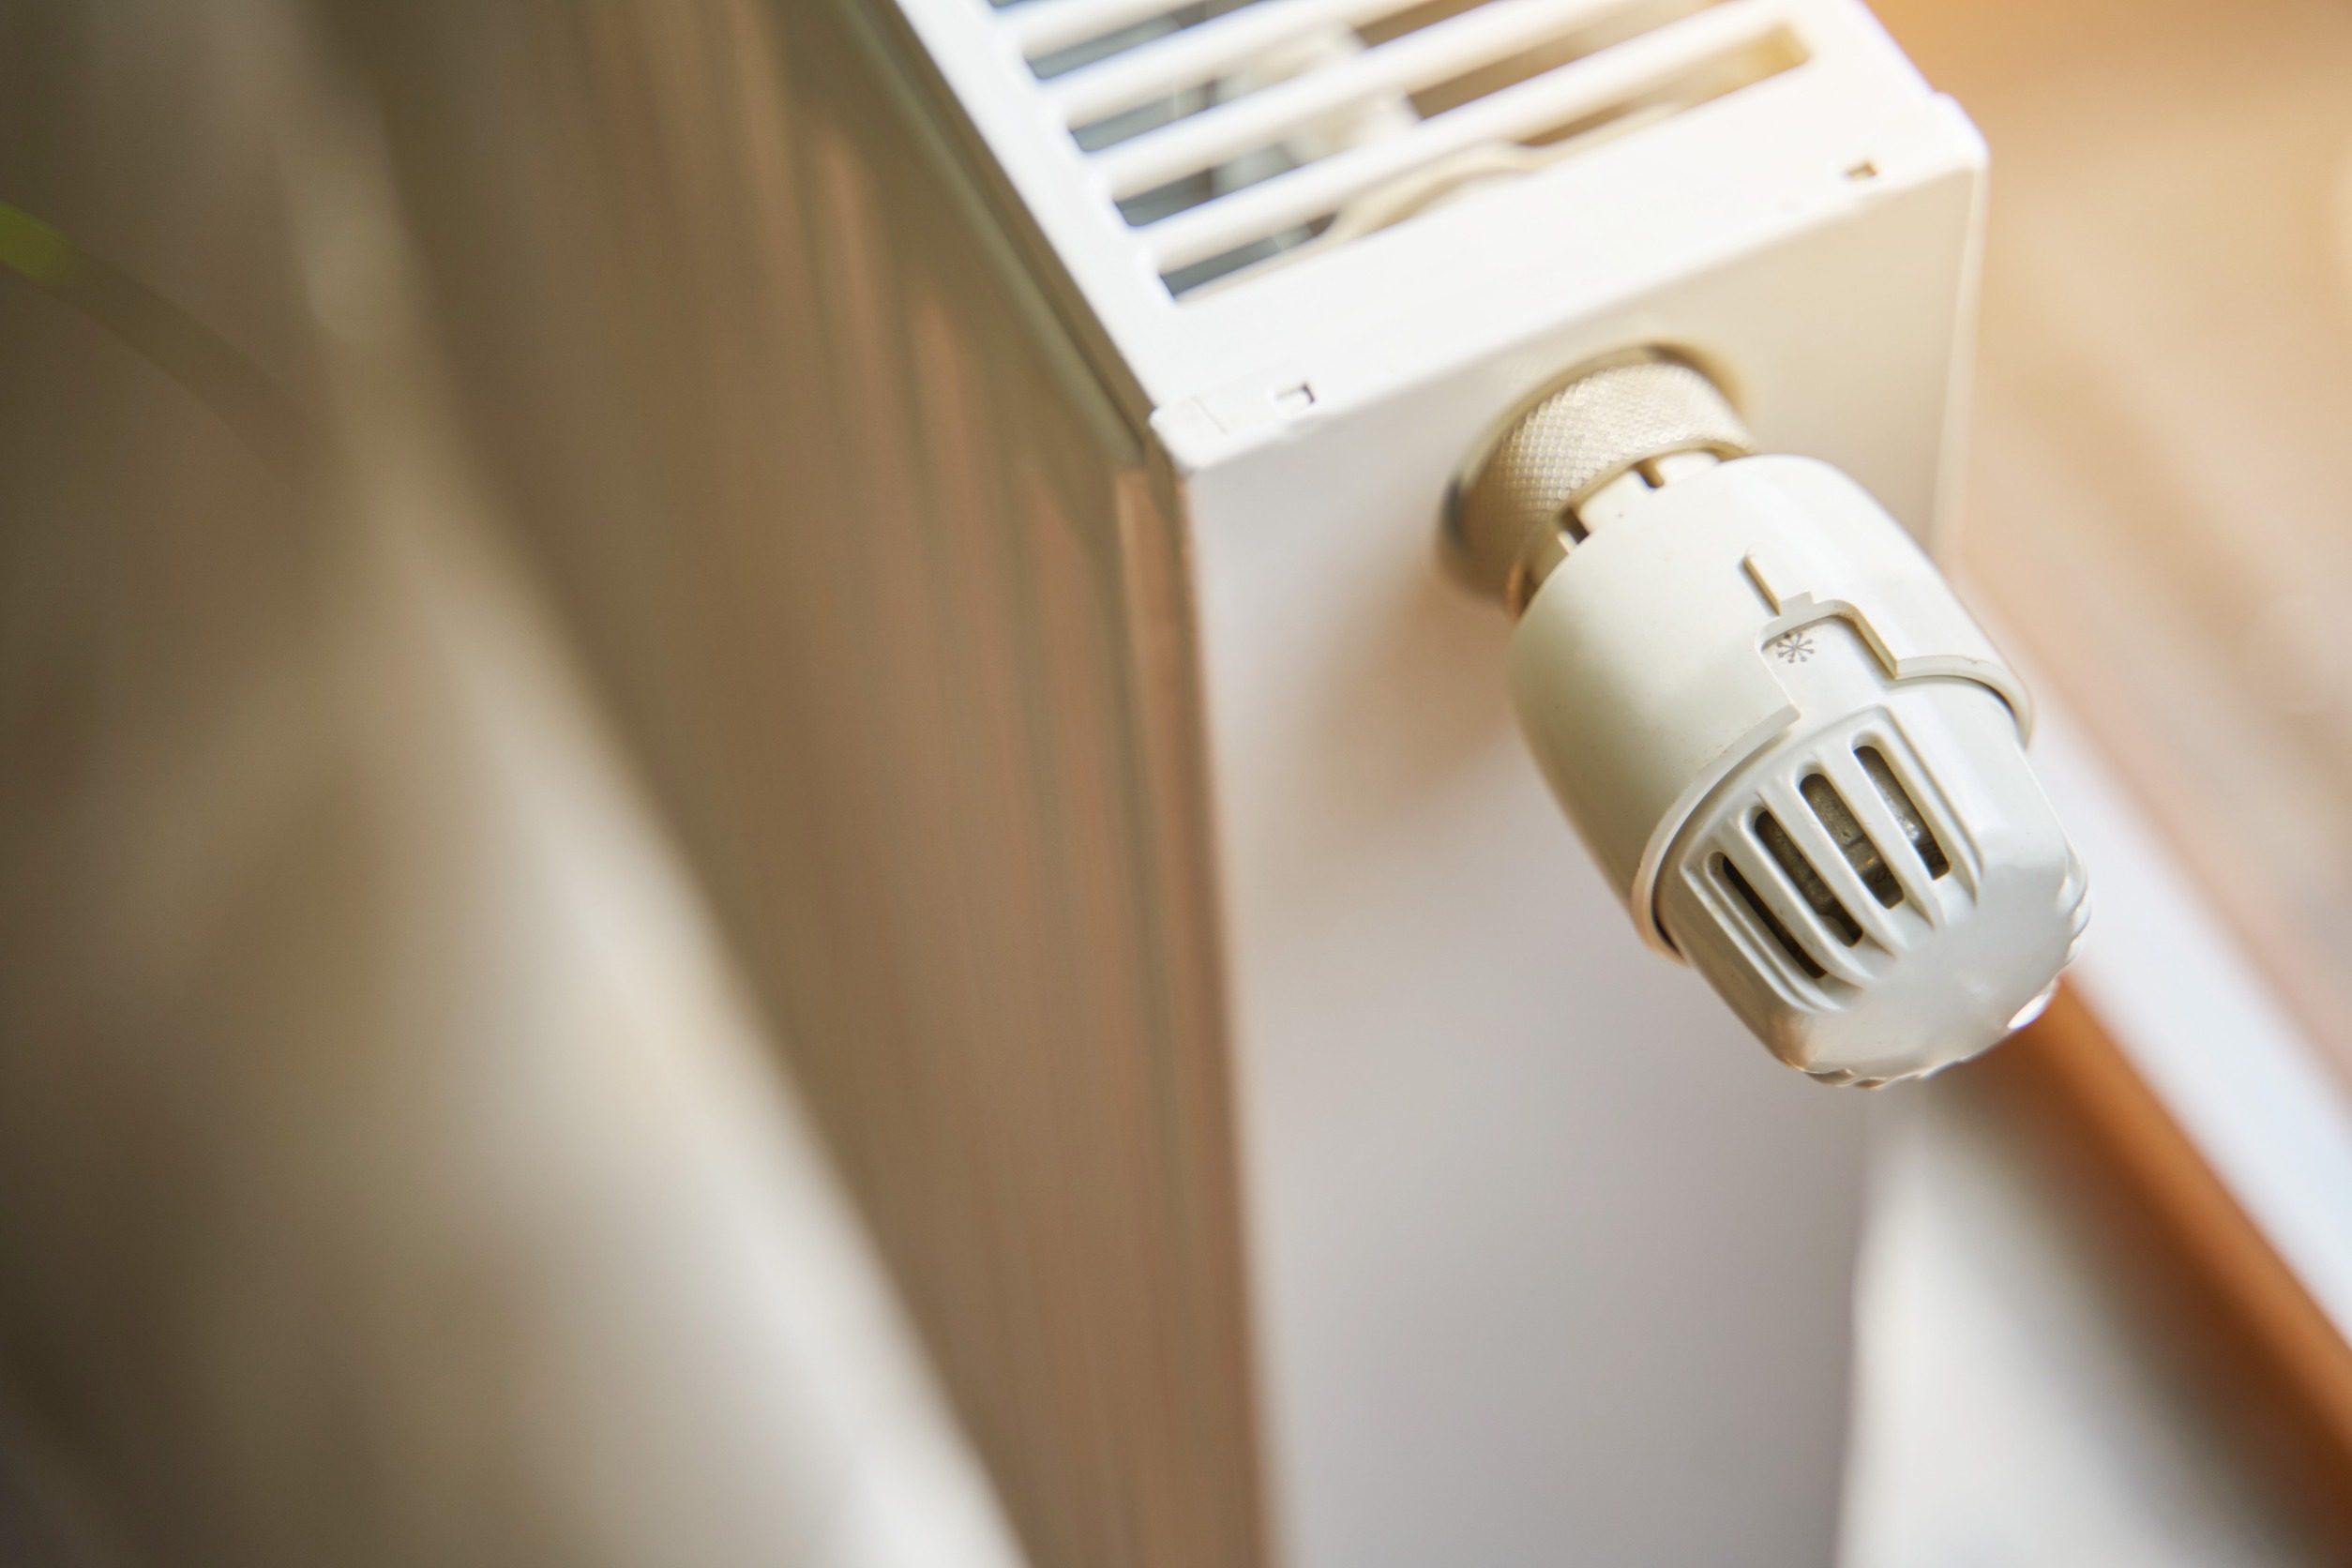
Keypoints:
pixel 400 1160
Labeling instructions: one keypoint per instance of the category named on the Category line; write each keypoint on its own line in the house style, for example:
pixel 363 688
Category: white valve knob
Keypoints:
pixel 1779 733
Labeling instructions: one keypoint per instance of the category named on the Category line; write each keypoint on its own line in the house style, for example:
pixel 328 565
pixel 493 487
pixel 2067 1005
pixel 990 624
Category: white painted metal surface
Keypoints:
pixel 1547 1258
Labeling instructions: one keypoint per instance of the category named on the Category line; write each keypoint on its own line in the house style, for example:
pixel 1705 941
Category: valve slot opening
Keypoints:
pixel 1807 882
pixel 1853 840
pixel 1907 811
pixel 1763 913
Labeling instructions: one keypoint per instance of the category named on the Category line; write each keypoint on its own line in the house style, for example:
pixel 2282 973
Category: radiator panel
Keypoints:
pixel 890 599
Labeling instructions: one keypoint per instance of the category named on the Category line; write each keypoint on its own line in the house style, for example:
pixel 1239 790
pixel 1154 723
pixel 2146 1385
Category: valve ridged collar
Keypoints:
pixel 1515 496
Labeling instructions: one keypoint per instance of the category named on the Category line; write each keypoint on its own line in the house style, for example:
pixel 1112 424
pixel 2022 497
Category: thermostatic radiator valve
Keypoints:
pixel 1789 747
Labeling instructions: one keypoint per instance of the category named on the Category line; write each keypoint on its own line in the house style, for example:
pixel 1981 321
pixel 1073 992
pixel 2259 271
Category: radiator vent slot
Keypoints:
pixel 1231 135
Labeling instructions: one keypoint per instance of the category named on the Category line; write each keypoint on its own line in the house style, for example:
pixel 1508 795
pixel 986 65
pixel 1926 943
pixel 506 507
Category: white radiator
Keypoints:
pixel 1542 1260
pixel 1290 1149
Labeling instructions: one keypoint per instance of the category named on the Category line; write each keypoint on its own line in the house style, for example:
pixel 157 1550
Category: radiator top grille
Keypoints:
pixel 1229 136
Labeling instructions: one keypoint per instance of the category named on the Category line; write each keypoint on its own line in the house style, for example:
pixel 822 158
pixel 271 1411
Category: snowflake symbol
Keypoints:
pixel 1793 647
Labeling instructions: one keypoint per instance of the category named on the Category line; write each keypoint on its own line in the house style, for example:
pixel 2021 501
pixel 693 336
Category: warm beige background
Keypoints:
pixel 2160 499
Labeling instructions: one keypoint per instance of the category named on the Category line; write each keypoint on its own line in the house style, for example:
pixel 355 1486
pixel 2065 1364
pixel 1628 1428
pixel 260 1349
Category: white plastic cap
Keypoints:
pixel 1800 761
